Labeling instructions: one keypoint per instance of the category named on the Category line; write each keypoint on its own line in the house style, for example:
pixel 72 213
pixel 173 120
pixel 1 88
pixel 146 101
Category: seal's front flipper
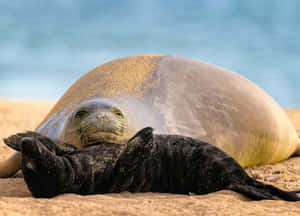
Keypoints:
pixel 14 141
pixel 130 169
pixel 143 137
pixel 37 150
pixel 36 167
pixel 45 173
pixel 58 146
pixel 136 148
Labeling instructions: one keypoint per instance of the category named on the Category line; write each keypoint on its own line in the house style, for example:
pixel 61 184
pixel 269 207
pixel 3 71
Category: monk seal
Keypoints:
pixel 96 121
pixel 147 163
pixel 177 95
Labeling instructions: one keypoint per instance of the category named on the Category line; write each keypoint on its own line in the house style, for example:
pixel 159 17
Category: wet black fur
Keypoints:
pixel 157 163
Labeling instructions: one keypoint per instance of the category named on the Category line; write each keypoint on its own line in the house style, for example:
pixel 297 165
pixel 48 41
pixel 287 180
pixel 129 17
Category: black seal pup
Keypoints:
pixel 148 162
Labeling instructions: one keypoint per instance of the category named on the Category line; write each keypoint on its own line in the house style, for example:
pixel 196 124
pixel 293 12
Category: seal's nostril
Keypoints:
pixel 101 115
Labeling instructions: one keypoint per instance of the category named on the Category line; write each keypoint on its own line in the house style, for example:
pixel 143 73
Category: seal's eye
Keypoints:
pixel 80 114
pixel 117 112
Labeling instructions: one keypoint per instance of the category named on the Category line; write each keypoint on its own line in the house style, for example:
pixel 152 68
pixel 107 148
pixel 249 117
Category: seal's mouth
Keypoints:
pixel 92 137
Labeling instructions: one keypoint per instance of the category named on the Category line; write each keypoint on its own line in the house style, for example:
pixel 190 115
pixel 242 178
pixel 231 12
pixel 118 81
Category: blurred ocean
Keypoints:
pixel 46 45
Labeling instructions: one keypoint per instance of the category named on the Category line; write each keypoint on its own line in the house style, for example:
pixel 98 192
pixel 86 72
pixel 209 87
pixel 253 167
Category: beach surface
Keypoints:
pixel 15 199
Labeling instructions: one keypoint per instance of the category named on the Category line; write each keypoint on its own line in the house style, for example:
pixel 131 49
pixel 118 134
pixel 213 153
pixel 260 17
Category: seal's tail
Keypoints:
pixel 259 191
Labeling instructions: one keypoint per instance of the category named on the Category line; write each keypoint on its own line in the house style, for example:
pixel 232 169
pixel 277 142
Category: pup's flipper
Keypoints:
pixel 251 192
pixel 129 171
pixel 45 173
pixel 258 191
pixel 58 146
pixel 285 195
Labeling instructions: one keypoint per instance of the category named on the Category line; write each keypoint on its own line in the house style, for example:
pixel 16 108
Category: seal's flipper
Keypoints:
pixel 285 195
pixel 58 146
pixel 129 170
pixel 142 137
pixel 47 174
pixel 37 166
pixel 14 142
pixel 37 150
pixel 258 191
pixel 10 166
pixel 136 148
pixel 251 192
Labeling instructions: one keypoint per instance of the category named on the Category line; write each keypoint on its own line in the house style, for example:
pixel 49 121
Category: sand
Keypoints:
pixel 15 199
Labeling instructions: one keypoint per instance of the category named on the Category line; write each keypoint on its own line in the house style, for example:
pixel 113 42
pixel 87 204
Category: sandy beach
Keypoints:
pixel 15 199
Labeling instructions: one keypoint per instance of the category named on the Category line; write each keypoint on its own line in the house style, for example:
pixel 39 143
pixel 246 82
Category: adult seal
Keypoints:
pixel 177 95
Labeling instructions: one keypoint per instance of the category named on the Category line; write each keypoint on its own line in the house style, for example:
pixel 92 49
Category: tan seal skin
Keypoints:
pixel 177 95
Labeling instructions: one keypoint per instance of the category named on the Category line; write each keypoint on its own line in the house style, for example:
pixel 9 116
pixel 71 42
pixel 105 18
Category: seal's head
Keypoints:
pixel 95 122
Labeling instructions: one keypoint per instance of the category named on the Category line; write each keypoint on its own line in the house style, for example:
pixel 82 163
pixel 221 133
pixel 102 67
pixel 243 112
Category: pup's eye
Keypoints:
pixel 80 114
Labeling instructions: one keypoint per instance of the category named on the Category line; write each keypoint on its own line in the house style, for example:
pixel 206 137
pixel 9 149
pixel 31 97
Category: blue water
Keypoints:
pixel 46 45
